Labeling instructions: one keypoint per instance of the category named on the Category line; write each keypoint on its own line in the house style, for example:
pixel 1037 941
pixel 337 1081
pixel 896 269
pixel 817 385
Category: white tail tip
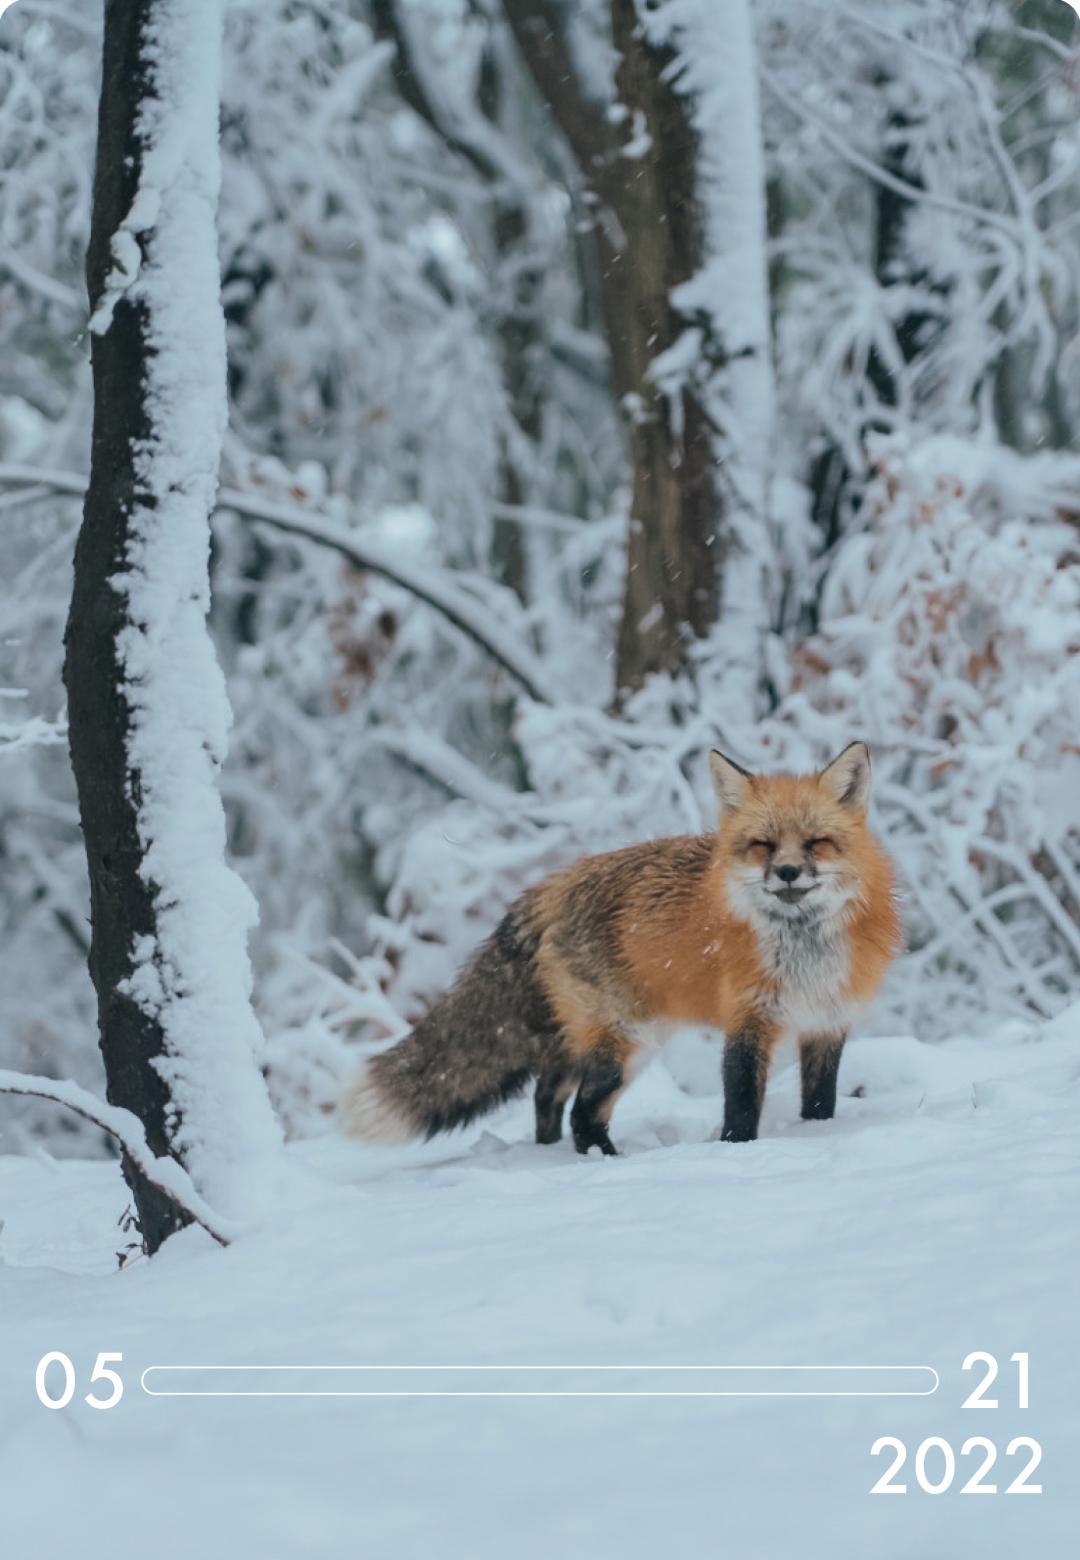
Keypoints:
pixel 365 1112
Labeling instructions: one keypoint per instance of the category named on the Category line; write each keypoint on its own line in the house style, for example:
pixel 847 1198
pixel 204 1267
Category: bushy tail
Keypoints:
pixel 477 1047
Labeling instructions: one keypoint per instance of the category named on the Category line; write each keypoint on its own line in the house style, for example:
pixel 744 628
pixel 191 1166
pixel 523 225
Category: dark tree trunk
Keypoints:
pixel 673 561
pixel 649 239
pixel 121 903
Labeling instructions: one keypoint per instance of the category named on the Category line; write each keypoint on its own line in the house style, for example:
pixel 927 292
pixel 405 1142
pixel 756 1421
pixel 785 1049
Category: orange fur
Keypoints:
pixel 650 934
pixel 782 921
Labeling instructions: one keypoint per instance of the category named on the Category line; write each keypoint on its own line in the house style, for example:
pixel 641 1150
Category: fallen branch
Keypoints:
pixel 168 1175
pixel 457 607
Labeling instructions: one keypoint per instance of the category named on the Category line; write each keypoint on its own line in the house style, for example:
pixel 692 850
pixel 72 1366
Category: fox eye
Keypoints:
pixel 762 845
pixel 824 840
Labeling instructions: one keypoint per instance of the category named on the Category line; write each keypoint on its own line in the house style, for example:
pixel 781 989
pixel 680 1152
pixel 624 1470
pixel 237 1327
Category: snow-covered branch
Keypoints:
pixel 438 761
pixel 428 585
pixel 463 130
pixel 881 175
pixel 167 1174
pixel 47 478
pixel 45 286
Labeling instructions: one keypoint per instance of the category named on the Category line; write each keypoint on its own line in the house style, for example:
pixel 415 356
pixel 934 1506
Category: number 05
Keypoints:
pixel 100 1372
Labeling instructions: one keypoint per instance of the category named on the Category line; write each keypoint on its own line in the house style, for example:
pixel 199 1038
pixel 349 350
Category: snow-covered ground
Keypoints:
pixel 934 1217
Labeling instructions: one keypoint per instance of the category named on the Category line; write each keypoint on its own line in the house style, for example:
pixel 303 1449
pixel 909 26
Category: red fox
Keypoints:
pixel 783 921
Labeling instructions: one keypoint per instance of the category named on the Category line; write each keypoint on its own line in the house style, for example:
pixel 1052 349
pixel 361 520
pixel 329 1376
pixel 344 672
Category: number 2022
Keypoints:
pixel 935 1444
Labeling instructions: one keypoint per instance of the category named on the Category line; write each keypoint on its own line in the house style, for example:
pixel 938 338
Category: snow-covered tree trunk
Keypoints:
pixel 147 705
pixel 676 168
pixel 717 370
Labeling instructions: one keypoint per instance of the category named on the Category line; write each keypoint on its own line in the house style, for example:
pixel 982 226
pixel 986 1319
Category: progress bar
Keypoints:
pixel 436 1381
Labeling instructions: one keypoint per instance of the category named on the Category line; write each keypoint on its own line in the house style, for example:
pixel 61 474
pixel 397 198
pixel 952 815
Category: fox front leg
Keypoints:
pixel 819 1063
pixel 747 1050
pixel 606 1069
pixel 600 1083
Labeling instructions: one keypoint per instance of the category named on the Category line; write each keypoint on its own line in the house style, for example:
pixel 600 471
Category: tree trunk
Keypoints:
pixel 673 562
pixel 673 345
pixel 121 901
pixel 141 699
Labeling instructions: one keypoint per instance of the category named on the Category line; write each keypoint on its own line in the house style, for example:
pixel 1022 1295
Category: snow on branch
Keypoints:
pixel 167 1174
pixel 873 170
pixel 426 584
pixel 33 732
pixel 450 115
pixel 45 286
pixel 51 478
pixel 427 754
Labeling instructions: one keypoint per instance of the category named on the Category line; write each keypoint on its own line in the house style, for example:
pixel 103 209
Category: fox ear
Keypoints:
pixel 730 781
pixel 847 778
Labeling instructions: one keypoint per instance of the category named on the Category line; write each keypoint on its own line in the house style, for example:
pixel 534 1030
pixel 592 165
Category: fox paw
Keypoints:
pixel 594 1137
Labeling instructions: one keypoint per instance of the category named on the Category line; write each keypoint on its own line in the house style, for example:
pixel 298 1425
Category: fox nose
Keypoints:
pixel 788 874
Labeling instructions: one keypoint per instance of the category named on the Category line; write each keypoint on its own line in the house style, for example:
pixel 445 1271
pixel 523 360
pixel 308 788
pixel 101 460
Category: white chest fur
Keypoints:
pixel 810 961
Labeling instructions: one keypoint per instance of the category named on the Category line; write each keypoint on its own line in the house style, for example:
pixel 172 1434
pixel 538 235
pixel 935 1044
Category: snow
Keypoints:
pixel 193 975
pixel 933 1217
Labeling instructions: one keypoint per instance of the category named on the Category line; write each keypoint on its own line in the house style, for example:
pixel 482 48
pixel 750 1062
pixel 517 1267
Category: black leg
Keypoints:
pixel 819 1058
pixel 601 1080
pixel 746 1068
pixel 552 1091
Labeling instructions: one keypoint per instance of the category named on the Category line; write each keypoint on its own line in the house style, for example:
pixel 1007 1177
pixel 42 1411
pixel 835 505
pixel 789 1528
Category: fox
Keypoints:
pixel 782 922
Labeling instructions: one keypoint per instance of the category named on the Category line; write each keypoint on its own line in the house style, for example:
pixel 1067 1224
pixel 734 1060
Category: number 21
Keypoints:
pixel 976 1398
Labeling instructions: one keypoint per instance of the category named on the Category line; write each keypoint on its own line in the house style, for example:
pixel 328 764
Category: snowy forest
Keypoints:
pixel 481 410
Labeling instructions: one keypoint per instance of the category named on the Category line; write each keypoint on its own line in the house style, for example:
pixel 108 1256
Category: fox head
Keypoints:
pixel 794 847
